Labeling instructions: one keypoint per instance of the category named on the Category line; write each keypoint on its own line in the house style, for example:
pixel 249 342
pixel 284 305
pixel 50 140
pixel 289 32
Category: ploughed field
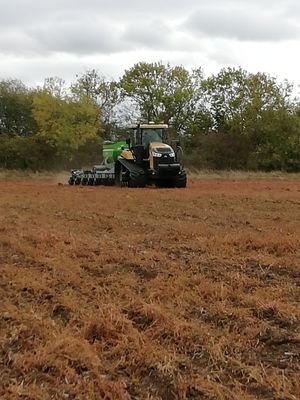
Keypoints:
pixel 109 293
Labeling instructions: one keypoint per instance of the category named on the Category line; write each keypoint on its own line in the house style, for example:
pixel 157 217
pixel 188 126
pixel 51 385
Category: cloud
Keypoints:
pixel 152 35
pixel 21 43
pixel 81 37
pixel 244 24
pixel 64 37
pixel 84 27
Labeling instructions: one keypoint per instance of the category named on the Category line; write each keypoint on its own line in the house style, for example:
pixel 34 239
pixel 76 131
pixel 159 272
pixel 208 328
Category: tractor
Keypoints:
pixel 143 159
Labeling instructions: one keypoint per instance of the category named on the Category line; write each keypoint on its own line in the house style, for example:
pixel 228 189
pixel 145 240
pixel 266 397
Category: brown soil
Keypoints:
pixel 110 293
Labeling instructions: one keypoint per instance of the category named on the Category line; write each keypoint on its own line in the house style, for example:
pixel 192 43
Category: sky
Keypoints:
pixel 42 38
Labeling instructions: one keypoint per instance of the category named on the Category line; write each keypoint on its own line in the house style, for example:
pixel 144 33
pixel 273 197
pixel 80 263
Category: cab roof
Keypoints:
pixel 153 126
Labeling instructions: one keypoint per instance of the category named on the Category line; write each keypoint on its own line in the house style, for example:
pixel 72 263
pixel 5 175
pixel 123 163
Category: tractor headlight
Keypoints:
pixel 155 154
pixel 172 154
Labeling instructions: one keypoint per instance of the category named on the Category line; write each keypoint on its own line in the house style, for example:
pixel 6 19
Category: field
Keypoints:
pixel 150 294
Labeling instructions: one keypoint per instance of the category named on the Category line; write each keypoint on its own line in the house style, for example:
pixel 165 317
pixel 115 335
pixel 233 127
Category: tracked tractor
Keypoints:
pixel 144 159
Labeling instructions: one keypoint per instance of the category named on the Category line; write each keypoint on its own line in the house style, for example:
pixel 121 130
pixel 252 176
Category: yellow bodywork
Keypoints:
pixel 127 155
pixel 153 145
pixel 153 126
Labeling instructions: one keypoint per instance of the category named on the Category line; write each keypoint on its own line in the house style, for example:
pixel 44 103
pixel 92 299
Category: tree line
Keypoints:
pixel 232 119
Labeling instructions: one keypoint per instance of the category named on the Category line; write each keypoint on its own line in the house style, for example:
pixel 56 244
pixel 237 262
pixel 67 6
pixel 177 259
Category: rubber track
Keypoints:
pixel 131 167
pixel 137 175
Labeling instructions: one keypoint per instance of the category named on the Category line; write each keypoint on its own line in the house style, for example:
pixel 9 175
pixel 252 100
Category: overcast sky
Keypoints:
pixel 42 38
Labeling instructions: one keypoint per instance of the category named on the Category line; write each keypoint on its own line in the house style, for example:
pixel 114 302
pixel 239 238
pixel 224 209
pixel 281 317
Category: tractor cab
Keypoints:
pixel 144 134
pixel 150 148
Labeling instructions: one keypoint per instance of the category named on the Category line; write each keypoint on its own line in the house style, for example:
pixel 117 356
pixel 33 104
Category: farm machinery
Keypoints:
pixel 143 159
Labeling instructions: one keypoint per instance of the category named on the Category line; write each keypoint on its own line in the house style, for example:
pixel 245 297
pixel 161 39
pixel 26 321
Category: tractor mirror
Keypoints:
pixel 128 142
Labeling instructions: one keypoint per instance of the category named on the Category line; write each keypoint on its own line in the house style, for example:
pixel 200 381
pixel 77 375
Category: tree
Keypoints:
pixel 245 111
pixel 237 100
pixel 162 92
pixel 280 148
pixel 104 94
pixel 16 116
pixel 65 124
pixel 56 87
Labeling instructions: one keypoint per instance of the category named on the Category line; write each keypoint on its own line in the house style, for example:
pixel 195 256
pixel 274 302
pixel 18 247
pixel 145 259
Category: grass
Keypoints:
pixel 111 293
